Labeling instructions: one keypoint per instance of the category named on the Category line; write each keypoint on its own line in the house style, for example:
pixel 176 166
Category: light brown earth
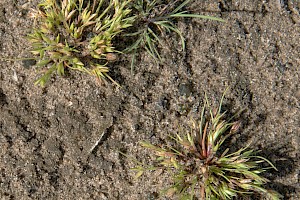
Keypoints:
pixel 46 133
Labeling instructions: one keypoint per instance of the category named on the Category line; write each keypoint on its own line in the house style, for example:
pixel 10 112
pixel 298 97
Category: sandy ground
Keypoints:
pixel 46 133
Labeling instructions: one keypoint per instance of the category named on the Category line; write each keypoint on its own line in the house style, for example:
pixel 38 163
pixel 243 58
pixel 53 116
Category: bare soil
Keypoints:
pixel 46 133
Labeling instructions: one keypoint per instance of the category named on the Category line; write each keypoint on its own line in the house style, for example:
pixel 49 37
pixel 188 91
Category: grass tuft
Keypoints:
pixel 201 169
pixel 155 18
pixel 77 35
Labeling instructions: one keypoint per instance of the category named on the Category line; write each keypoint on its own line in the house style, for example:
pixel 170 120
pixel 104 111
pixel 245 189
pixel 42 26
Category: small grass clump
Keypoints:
pixel 155 18
pixel 78 35
pixel 201 169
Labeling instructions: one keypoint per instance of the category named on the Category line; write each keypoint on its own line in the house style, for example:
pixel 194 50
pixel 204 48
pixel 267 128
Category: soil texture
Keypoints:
pixel 47 134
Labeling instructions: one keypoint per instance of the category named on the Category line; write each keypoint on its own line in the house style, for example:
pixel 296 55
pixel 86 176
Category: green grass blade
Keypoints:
pixel 197 16
pixel 179 7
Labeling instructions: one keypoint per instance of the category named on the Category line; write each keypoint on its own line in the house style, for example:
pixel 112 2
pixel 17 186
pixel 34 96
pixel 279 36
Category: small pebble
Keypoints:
pixel 185 89
pixel 153 196
pixel 163 103
pixel 28 63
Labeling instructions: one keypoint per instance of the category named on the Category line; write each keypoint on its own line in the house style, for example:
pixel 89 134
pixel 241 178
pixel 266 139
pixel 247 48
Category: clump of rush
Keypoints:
pixel 77 35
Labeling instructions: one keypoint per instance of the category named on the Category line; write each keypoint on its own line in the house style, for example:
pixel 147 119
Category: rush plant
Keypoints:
pixel 78 35
pixel 199 166
pixel 155 18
